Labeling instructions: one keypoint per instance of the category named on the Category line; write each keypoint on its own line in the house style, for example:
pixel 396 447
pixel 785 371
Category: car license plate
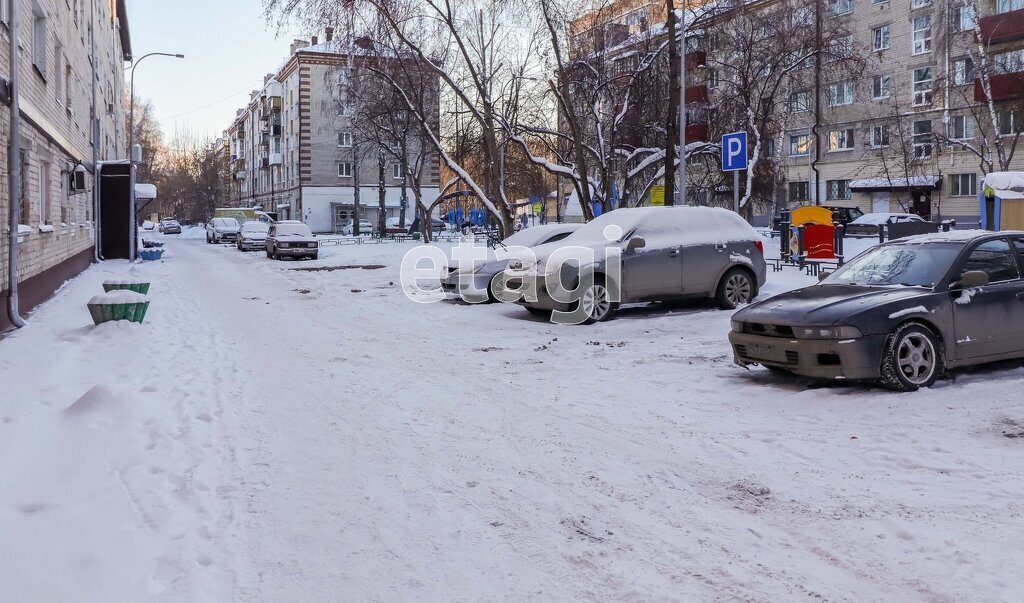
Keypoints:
pixel 765 352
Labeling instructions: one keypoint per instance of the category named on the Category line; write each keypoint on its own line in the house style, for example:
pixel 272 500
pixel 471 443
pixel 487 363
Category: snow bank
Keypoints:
pixel 193 233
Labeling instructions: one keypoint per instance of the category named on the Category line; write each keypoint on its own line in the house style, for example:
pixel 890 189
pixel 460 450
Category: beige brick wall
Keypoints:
pixel 56 102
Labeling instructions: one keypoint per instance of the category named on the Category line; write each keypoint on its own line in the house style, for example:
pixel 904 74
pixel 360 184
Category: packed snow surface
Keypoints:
pixel 279 435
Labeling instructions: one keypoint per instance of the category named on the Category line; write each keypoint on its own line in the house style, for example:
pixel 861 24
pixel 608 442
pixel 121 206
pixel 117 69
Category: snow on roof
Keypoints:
pixel 897 182
pixel 1006 185
pixel 145 191
pixel 953 236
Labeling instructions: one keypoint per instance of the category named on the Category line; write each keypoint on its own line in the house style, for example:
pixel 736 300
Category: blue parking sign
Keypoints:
pixel 734 151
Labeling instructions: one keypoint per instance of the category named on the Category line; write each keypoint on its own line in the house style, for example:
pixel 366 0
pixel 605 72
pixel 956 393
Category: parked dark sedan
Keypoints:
pixel 901 313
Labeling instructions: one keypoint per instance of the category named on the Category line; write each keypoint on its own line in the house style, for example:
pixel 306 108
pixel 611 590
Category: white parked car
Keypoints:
pixel 253 235
pixel 222 229
pixel 365 227
pixel 875 219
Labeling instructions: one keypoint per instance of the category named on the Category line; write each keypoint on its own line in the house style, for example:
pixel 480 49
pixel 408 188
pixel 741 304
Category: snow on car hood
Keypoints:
pixel 828 304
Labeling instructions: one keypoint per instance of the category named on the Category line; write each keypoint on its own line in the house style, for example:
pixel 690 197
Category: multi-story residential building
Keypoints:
pixel 303 145
pixel 56 70
pixel 887 111
pixel 909 132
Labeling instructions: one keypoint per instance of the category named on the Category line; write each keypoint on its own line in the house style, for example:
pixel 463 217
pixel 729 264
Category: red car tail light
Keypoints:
pixel 760 246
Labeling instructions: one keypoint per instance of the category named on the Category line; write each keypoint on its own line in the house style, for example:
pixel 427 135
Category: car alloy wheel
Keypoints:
pixel 913 358
pixel 735 289
pixel 916 358
pixel 596 303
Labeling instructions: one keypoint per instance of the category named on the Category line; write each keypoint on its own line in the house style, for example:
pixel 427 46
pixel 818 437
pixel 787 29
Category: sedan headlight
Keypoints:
pixel 283 245
pixel 843 332
pixel 737 326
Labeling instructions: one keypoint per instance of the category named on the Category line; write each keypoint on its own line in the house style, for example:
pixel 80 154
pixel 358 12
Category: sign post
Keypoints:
pixel 734 159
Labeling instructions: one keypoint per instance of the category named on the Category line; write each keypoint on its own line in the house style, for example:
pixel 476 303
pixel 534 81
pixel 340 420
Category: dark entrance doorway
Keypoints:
pixel 115 220
pixel 922 204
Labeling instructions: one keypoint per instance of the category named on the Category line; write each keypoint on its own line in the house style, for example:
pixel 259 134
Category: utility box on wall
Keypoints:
pixel 115 221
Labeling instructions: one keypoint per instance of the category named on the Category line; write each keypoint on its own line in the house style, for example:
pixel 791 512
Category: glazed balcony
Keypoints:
pixel 696 94
pixel 696 133
pixel 1005 27
pixel 1005 86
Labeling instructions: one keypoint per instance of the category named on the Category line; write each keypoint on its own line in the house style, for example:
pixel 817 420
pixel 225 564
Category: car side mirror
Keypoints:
pixel 971 279
pixel 823 275
pixel 636 243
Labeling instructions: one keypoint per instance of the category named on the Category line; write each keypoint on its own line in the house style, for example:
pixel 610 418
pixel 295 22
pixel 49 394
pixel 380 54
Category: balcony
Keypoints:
pixel 696 133
pixel 240 175
pixel 695 59
pixel 275 159
pixel 264 163
pixel 240 134
pixel 275 130
pixel 1005 86
pixel 1005 27
pixel 696 94
pixel 240 164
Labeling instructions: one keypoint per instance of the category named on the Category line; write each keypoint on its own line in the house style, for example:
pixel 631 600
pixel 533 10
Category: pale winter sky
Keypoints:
pixel 228 48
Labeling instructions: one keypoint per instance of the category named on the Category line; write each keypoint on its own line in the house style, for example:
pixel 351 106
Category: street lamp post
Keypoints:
pixel 131 152
pixel 682 107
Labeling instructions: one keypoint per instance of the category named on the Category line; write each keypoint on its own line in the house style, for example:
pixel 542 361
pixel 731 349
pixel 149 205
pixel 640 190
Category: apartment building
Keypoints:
pixel 56 69
pixel 904 135
pixel 887 112
pixel 303 145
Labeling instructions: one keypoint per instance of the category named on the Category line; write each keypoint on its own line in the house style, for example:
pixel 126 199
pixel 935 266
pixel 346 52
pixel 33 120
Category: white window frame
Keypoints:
pixel 345 169
pixel 965 17
pixel 880 38
pixel 345 140
pixel 838 8
pixel 840 48
pixel 1015 116
pixel 879 137
pixel 921 87
pixel 840 140
pixel 807 143
pixel 1008 62
pixel 832 94
pixel 877 86
pixel 956 188
pixel 39 38
pixel 396 172
pixel 963 72
pixel 921 34
pixel 922 148
pixel 920 3
pixel 1005 6
pixel 966 125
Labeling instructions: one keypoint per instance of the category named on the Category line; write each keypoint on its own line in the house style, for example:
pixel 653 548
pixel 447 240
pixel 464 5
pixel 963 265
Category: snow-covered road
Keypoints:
pixel 283 435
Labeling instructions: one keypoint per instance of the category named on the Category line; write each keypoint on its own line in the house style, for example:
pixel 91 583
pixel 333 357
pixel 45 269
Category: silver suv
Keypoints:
pixel 222 229
pixel 639 255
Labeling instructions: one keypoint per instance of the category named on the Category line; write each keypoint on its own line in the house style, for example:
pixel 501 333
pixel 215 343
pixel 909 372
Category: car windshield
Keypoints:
pixel 255 227
pixel 915 265
pixel 226 222
pixel 293 230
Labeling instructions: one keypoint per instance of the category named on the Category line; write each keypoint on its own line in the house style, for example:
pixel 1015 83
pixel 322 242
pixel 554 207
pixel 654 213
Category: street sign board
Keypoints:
pixel 657 195
pixel 734 151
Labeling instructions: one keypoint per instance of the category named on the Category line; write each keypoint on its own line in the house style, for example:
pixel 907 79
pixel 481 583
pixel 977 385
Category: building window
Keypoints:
pixel 1009 62
pixel 44 193
pixel 799 101
pixel 922 36
pixel 798 192
pixel 879 1
pixel 840 7
pixel 345 169
pixel 396 171
pixel 1005 6
pixel 803 15
pixel 344 109
pixel 963 72
pixel 964 185
pixel 712 77
pixel 58 74
pixel 961 127
pixel 799 145
pixel 923 86
pixel 920 3
pixel 839 94
pixel 880 38
pixel 344 139
pixel 880 136
pixel 1010 122
pixel 5 16
pixel 840 48
pixel 965 18
pixel 880 86
pixel 922 139
pixel 39 39
pixel 840 140
pixel 837 190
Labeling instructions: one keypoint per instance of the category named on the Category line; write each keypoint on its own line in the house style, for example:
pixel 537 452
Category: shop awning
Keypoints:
pixel 896 184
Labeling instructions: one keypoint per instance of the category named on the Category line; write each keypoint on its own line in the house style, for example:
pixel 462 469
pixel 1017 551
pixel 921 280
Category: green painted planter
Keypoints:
pixel 119 304
pixel 136 285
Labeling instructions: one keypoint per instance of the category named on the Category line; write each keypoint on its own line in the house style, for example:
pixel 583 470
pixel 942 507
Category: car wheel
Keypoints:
pixel 596 302
pixel 912 358
pixel 545 314
pixel 276 255
pixel 735 289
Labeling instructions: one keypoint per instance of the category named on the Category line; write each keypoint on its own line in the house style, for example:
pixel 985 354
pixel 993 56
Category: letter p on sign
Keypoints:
pixel 734 152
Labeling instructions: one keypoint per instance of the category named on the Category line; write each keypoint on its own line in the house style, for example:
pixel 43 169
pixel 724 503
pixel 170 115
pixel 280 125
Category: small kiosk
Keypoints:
pixel 1002 201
